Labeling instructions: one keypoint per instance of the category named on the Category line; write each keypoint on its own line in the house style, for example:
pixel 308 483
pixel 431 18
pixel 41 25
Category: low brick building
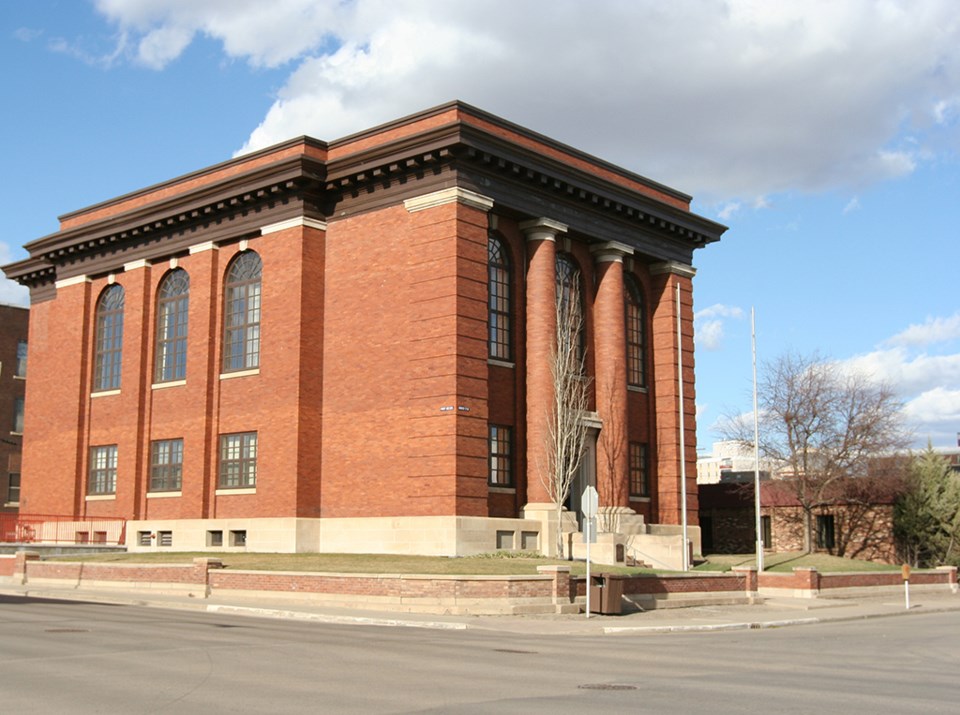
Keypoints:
pixel 13 376
pixel 857 523
pixel 345 346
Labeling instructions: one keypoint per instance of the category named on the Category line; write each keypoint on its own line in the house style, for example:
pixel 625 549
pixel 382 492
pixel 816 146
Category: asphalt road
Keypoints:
pixel 72 657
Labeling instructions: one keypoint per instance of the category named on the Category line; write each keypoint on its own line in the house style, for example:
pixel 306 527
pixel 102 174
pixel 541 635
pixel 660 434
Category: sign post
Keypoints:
pixel 589 503
pixel 905 571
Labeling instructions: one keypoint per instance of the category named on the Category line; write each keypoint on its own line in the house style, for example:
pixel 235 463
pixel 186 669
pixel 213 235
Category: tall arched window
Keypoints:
pixel 108 339
pixel 633 310
pixel 241 340
pixel 498 292
pixel 173 302
pixel 570 299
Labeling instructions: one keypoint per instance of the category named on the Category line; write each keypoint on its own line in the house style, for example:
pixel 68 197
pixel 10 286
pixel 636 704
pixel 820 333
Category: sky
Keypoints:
pixel 826 135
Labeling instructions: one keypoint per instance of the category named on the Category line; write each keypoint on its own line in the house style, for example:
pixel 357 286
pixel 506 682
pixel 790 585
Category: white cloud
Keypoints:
pixel 719 310
pixel 934 330
pixel 728 210
pixel 852 205
pixel 709 334
pixel 709 326
pixel 725 99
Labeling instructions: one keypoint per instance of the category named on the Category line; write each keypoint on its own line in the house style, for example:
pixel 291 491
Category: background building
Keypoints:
pixel 13 375
pixel 345 346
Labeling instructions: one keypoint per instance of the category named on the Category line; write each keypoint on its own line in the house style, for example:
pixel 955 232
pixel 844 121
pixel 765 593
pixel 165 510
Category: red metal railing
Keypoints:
pixel 51 529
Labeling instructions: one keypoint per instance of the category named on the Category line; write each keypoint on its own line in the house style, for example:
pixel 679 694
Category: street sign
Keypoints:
pixel 589 502
pixel 590 530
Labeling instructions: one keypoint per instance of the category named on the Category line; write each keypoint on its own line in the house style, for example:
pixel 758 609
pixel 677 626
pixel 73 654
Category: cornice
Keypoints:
pixel 520 177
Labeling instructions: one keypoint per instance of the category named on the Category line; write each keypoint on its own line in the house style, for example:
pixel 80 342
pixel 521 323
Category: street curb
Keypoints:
pixel 326 618
pixel 707 627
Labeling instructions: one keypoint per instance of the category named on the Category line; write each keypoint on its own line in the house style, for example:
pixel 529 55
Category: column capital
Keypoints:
pixel 675 267
pixel 448 196
pixel 610 251
pixel 542 229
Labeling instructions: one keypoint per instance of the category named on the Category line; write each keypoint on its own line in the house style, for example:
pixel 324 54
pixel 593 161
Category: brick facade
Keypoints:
pixel 373 392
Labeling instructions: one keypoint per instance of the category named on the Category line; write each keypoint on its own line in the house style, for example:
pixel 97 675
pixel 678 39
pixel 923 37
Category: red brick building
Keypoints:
pixel 344 346
pixel 856 523
pixel 13 376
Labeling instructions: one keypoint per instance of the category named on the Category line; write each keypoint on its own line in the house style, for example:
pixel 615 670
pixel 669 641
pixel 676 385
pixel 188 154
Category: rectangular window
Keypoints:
pixel 767 531
pixel 103 470
pixel 164 538
pixel 21 366
pixel 501 470
pixel 639 478
pixel 13 488
pixel 144 538
pixel 238 460
pixel 825 531
pixel 18 415
pixel 166 465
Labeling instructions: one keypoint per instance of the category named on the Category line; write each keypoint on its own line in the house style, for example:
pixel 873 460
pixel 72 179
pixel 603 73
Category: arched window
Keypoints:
pixel 570 300
pixel 633 310
pixel 173 302
pixel 241 340
pixel 108 339
pixel 498 292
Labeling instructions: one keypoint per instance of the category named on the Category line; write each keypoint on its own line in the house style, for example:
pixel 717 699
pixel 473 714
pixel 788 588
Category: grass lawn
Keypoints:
pixel 486 564
pixel 788 560
pixel 497 564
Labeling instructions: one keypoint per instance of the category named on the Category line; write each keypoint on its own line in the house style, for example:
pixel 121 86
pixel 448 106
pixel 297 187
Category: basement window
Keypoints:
pixel 165 538
pixel 214 538
pixel 238 538
pixel 143 538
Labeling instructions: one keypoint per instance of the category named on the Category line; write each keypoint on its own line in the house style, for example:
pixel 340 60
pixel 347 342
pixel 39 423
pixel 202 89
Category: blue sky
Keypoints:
pixel 825 134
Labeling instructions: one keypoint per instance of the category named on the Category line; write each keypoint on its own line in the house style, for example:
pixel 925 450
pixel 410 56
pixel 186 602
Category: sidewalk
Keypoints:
pixel 773 613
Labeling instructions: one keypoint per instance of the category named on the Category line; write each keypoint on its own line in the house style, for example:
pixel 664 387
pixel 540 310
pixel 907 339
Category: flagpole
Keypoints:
pixel 683 453
pixel 756 445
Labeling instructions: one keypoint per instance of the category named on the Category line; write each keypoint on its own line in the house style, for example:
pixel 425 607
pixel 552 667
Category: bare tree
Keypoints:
pixel 567 433
pixel 819 426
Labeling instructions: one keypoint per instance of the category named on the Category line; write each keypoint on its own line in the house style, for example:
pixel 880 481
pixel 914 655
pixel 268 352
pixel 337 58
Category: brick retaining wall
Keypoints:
pixel 552 590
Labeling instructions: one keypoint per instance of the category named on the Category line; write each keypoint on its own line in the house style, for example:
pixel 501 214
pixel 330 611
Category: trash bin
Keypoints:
pixel 606 594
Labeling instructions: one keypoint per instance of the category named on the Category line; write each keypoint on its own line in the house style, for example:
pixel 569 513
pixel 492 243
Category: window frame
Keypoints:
pixel 13 488
pixel 242 312
pixel 638 466
pixel 172 323
pixel 20 366
pixel 635 332
pixel 108 338
pixel 500 462
pixel 166 465
pixel 18 406
pixel 826 531
pixel 499 300
pixel 245 474
pixel 568 280
pixel 102 475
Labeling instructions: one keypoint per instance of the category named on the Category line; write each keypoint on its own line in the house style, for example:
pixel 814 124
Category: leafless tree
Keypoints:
pixel 567 433
pixel 821 425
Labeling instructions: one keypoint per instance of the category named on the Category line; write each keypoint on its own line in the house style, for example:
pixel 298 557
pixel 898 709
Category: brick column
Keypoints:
pixel 667 355
pixel 610 366
pixel 541 328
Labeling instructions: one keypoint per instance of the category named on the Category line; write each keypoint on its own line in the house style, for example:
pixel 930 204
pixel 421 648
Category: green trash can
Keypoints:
pixel 606 594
